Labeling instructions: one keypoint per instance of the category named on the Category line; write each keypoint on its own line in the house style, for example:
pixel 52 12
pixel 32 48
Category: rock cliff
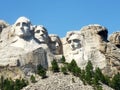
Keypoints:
pixel 24 44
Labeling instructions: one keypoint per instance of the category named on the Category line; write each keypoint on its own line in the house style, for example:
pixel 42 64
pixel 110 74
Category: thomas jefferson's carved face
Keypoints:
pixel 41 34
pixel 74 42
pixel 22 27
pixel 55 44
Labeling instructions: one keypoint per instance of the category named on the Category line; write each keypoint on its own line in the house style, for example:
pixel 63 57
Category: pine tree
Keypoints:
pixel 107 80
pixel 1 82
pixel 32 78
pixel 116 82
pixel 82 76
pixel 17 84
pixel 95 80
pixel 24 83
pixel 89 72
pixel 71 65
pixel 64 70
pixel 100 76
pixel 55 67
pixel 63 59
pixel 20 83
pixel 76 71
pixel 41 71
pixel 98 73
pixel 8 84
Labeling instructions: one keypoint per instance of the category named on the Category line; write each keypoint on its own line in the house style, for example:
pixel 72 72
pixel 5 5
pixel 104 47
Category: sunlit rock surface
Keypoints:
pixel 90 43
pixel 115 39
pixel 24 44
pixel 18 47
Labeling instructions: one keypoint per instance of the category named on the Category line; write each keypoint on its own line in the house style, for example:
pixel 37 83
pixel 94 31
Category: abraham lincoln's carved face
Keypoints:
pixel 74 41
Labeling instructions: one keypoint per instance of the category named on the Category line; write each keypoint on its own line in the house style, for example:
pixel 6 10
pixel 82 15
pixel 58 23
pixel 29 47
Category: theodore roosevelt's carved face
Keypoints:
pixel 55 44
pixel 22 27
pixel 41 34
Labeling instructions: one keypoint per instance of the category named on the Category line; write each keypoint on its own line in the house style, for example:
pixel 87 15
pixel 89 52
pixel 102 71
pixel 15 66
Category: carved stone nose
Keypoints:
pixel 41 33
pixel 21 27
pixel 72 42
pixel 56 44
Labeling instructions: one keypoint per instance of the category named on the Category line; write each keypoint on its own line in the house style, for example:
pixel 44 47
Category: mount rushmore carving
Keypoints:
pixel 24 44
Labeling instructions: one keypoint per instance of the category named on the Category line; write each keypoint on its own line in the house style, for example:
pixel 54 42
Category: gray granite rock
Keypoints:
pixel 115 39
pixel 58 81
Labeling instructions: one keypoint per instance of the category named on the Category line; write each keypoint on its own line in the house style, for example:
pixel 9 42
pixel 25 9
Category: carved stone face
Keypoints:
pixel 3 24
pixel 22 27
pixel 41 34
pixel 0 28
pixel 74 41
pixel 55 44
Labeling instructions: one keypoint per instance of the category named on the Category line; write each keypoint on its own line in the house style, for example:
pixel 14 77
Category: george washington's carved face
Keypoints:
pixel 22 27
pixel 41 34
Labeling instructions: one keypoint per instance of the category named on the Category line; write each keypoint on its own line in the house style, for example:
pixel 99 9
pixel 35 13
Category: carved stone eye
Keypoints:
pixel 38 31
pixel 18 24
pixel 24 24
pixel 54 42
pixel 69 41
pixel 43 31
pixel 76 40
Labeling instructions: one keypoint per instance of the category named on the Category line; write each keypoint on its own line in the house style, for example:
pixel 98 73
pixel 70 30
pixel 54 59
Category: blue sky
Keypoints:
pixel 60 16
